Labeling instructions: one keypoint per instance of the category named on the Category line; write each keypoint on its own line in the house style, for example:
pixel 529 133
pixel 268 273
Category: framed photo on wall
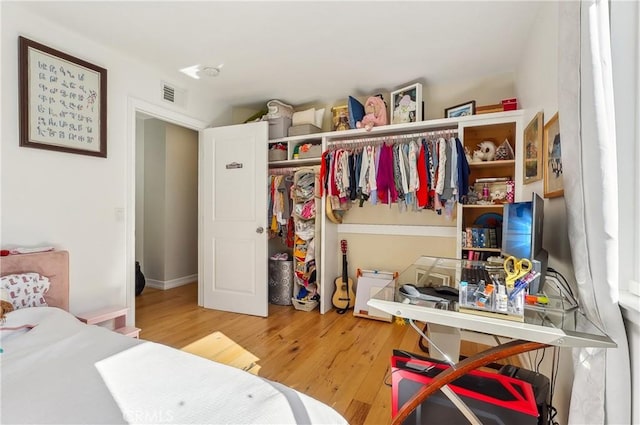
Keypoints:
pixel 63 101
pixel 553 178
pixel 533 149
pixel 406 104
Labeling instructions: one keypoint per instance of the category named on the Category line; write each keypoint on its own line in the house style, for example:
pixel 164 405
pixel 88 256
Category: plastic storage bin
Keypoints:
pixel 280 282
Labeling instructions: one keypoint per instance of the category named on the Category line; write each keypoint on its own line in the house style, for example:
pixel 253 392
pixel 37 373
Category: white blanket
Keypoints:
pixel 63 371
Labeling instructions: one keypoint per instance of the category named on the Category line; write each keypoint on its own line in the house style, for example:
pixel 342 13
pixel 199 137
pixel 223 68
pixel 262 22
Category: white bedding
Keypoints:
pixel 63 371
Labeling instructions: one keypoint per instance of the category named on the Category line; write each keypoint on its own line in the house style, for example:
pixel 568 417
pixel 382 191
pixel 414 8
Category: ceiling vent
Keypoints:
pixel 173 94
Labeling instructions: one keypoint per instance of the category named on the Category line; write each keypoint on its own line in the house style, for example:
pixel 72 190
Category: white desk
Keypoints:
pixel 541 328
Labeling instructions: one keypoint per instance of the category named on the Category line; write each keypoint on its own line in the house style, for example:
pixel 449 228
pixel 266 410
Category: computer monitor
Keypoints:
pixel 522 229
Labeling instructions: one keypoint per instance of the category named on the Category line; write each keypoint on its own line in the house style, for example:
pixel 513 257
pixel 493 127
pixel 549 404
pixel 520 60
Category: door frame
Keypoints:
pixel 134 106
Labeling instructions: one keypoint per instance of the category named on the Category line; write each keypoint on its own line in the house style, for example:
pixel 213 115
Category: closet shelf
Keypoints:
pixel 493 164
pixel 474 248
pixel 487 206
pixel 294 162
pixel 402 128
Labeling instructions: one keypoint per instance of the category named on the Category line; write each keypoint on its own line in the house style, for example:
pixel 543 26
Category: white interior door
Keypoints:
pixel 234 215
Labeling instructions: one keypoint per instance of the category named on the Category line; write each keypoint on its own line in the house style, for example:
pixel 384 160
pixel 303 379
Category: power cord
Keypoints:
pixel 563 285
pixel 555 366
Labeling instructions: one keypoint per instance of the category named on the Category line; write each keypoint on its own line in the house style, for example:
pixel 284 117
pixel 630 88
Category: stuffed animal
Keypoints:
pixel 477 156
pixel 376 113
pixel 5 304
pixel 467 154
pixel 486 152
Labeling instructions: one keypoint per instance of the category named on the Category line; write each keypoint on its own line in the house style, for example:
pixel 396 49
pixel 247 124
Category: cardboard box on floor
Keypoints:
pixel 222 349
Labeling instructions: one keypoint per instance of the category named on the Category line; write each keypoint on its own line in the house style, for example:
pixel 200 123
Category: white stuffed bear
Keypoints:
pixel 486 152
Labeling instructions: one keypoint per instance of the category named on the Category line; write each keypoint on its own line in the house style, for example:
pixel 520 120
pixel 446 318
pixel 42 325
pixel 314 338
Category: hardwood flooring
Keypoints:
pixel 340 360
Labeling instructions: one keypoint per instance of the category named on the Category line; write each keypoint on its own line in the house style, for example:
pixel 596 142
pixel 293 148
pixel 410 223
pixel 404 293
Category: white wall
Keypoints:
pixel 170 202
pixel 537 90
pixel 181 203
pixel 71 201
pixel 154 199
pixel 487 90
pixel 139 206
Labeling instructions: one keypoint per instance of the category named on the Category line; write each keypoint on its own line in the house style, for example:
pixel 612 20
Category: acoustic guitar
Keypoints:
pixel 343 296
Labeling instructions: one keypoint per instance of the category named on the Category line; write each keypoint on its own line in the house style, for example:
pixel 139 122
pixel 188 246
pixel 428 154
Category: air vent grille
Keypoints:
pixel 168 93
pixel 172 94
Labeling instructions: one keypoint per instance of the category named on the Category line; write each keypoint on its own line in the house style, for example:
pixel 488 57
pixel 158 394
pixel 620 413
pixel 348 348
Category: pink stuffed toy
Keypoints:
pixel 376 113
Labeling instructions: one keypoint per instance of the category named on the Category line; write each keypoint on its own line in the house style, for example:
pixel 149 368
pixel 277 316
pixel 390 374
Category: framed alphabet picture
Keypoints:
pixel 533 149
pixel 406 104
pixel 553 182
pixel 63 101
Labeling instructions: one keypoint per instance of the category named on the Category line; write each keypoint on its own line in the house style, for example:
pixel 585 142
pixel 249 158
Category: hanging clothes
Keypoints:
pixel 416 174
pixel 279 208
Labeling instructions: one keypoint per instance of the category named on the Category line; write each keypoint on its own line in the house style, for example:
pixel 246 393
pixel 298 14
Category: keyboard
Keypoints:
pixel 474 274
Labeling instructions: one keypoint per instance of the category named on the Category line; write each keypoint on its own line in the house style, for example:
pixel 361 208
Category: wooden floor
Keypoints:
pixel 340 360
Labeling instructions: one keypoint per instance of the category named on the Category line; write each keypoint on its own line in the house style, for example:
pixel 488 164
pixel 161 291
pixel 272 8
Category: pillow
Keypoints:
pixel 304 117
pixel 26 289
pixel 319 117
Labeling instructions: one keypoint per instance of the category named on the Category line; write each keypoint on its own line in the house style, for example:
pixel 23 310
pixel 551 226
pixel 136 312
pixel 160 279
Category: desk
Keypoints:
pixel 541 327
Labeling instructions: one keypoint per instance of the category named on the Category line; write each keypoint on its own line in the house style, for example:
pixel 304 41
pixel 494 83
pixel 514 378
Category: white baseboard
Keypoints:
pixel 173 283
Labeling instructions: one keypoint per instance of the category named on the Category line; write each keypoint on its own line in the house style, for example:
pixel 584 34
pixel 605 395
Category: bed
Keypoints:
pixel 59 370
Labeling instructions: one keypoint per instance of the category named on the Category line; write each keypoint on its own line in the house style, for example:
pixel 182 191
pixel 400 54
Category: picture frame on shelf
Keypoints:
pixel 63 101
pixel 340 118
pixel 532 167
pixel 407 105
pixel 462 110
pixel 553 175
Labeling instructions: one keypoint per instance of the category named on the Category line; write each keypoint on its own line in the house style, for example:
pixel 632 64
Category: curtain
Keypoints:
pixel 602 386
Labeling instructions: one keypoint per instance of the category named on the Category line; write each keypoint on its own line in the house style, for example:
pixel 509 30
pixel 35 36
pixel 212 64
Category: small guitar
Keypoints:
pixel 343 296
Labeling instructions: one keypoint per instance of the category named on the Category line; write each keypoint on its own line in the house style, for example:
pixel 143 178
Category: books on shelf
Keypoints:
pixel 477 255
pixel 480 237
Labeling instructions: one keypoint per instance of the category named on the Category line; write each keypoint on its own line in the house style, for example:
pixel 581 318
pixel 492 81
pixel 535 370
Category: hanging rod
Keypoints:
pixel 381 139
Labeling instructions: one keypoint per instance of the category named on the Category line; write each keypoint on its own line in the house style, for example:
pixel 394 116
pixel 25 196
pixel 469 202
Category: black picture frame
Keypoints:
pixel 461 110
pixel 63 101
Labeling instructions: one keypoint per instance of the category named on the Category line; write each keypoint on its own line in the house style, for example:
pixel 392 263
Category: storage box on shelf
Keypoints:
pixel 302 129
pixel 287 150
pixel 279 127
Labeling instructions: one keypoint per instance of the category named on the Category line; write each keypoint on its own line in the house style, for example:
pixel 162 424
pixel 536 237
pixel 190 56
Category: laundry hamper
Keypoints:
pixel 280 282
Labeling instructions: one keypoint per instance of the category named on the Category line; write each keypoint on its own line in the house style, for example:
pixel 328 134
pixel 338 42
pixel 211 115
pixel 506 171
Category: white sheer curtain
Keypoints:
pixel 602 386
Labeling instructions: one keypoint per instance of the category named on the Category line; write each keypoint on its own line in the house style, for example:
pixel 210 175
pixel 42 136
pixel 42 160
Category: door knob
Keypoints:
pixel 260 229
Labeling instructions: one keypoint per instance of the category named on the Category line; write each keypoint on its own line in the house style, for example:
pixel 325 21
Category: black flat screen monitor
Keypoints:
pixel 522 227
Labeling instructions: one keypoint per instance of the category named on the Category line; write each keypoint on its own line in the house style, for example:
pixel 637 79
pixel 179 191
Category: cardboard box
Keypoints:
pixel 487 109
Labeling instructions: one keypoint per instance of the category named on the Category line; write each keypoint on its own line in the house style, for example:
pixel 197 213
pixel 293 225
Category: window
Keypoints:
pixel 625 49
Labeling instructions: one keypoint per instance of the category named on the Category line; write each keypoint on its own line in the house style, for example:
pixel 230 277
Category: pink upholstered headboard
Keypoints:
pixel 52 264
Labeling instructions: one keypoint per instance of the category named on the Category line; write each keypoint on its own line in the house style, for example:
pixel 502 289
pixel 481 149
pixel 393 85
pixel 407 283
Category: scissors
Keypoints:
pixel 515 269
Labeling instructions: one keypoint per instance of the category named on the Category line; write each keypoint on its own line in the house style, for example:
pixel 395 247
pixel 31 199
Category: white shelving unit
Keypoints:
pixel 330 265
